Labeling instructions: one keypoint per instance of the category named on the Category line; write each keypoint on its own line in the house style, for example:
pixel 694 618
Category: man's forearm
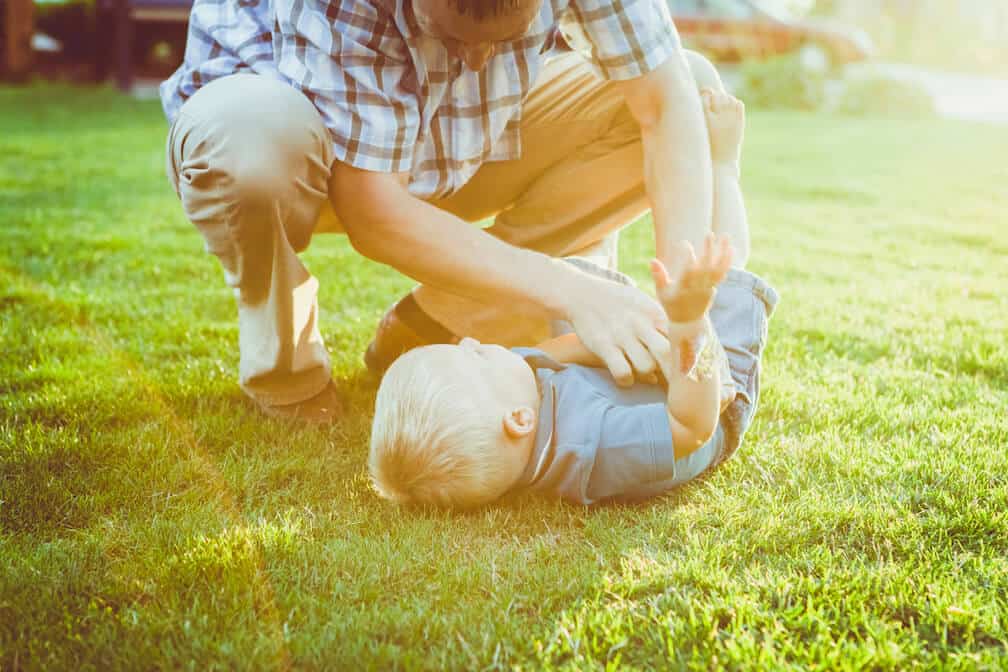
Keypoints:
pixel 677 155
pixel 436 248
pixel 677 174
pixel 677 158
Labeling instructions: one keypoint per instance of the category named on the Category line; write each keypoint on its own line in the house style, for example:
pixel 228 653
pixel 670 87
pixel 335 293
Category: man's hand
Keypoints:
pixel 626 328
pixel 622 325
pixel 725 116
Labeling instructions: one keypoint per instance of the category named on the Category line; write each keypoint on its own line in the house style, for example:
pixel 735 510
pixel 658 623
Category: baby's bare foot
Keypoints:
pixel 725 115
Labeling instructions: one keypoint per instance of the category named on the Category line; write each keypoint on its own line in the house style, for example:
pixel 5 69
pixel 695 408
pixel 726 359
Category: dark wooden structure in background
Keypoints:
pixel 118 21
pixel 19 26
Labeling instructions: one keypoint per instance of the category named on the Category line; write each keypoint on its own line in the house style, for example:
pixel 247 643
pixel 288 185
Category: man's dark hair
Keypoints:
pixel 481 9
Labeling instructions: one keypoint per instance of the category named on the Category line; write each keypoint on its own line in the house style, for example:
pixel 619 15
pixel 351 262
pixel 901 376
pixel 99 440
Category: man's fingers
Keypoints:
pixel 640 359
pixel 660 348
pixel 617 365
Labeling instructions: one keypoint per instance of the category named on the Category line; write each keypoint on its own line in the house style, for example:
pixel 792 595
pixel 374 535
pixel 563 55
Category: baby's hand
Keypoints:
pixel 687 296
pixel 725 123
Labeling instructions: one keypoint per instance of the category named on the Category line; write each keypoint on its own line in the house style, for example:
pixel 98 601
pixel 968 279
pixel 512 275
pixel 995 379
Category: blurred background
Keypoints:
pixel 917 57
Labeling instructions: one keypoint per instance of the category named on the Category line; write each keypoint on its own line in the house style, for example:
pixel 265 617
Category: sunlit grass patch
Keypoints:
pixel 150 517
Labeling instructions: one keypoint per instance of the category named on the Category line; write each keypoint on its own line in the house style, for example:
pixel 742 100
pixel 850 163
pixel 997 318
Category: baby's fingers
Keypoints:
pixel 707 97
pixel 712 266
pixel 659 274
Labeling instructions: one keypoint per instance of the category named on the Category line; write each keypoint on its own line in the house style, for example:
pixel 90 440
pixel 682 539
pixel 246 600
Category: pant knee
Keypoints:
pixel 243 187
pixel 252 140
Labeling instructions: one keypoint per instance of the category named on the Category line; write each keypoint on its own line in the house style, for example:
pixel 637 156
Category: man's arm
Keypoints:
pixel 677 158
pixel 385 223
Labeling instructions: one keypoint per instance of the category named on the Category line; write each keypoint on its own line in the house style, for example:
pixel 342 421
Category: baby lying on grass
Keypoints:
pixel 460 425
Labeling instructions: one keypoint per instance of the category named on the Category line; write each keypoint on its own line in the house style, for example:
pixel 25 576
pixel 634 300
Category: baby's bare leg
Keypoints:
pixel 726 124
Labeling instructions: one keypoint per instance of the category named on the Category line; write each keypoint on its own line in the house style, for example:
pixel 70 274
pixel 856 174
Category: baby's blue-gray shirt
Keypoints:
pixel 598 442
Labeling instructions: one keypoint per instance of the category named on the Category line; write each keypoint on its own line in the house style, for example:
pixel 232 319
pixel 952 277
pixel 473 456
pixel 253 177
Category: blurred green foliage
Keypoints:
pixel 781 82
pixel 881 96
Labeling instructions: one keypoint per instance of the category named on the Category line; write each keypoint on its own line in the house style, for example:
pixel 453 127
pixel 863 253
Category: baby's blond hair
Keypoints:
pixel 430 443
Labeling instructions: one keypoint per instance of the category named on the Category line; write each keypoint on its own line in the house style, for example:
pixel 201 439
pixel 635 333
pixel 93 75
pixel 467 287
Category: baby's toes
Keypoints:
pixel 707 98
pixel 721 101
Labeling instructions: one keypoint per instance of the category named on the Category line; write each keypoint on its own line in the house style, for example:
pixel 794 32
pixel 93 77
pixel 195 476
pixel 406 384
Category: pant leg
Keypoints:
pixel 579 180
pixel 250 160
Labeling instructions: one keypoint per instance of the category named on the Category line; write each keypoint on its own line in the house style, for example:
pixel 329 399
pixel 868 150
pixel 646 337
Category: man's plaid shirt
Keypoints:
pixel 392 98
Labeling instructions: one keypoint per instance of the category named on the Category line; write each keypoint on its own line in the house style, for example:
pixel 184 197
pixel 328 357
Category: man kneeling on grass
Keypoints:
pixel 460 425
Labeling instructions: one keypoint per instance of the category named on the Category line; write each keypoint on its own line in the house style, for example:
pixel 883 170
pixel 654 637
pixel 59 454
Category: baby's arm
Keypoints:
pixel 568 349
pixel 693 400
pixel 694 405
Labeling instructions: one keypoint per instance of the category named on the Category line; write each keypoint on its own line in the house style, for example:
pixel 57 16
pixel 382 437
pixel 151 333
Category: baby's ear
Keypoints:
pixel 519 422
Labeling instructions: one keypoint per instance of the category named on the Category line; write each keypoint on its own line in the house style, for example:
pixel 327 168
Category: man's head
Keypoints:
pixel 454 425
pixel 471 29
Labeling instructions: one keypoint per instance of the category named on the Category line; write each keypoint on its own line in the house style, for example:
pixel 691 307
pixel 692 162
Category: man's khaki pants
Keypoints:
pixel 250 160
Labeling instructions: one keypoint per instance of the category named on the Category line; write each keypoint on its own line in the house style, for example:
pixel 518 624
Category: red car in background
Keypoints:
pixel 734 30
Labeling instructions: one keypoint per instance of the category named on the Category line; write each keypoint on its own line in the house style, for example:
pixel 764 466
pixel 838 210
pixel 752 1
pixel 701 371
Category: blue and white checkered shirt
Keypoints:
pixel 392 97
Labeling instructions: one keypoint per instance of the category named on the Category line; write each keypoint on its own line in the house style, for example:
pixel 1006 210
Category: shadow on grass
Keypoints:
pixel 73 460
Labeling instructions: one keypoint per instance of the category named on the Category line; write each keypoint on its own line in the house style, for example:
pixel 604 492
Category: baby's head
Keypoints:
pixel 454 425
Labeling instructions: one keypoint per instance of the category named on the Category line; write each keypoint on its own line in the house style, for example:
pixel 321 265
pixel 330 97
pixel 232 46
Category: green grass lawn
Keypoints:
pixel 150 518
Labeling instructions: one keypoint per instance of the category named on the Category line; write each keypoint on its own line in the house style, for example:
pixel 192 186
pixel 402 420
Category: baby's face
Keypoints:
pixel 498 379
pixel 503 389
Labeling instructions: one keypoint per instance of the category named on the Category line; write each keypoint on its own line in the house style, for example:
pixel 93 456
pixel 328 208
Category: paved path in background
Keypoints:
pixel 957 96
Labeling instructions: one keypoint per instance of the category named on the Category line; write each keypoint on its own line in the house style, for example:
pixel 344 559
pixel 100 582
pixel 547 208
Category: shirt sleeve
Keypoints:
pixel 352 63
pixel 634 452
pixel 622 39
